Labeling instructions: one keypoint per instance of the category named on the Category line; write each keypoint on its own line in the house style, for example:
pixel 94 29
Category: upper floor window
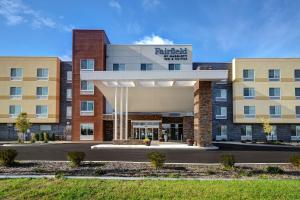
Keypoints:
pixel 221 113
pixel 249 93
pixel 86 87
pixel 248 74
pixel 15 92
pixel 275 111
pixel 118 67
pixel 87 64
pixel 41 111
pixel 146 66
pixel 69 94
pixel 174 66
pixel 42 92
pixel 14 111
pixel 249 111
pixel 69 112
pixel 297 93
pixel 274 74
pixel 42 74
pixel 16 73
pixel 221 95
pixel 274 93
pixel 297 74
pixel 69 76
pixel 298 111
pixel 86 108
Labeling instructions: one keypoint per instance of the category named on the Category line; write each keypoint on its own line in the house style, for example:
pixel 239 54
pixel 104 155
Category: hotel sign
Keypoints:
pixel 176 54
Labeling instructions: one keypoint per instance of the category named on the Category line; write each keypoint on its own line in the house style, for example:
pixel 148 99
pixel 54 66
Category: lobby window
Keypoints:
pixel 174 66
pixel 16 74
pixel 42 74
pixel 297 74
pixel 41 111
pixel 246 132
pixel 146 67
pixel 249 93
pixel 221 113
pixel 86 87
pixel 42 92
pixel 87 64
pixel 273 134
pixel 69 76
pixel 274 75
pixel 221 95
pixel 118 67
pixel 87 108
pixel 221 133
pixel 69 94
pixel 248 74
pixel 275 111
pixel 295 132
pixel 45 127
pixel 87 131
pixel 69 112
pixel 297 108
pixel 274 93
pixel 297 93
pixel 249 111
pixel 15 92
pixel 14 111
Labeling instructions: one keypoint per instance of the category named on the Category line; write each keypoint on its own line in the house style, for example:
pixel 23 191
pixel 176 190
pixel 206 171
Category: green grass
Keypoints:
pixel 148 189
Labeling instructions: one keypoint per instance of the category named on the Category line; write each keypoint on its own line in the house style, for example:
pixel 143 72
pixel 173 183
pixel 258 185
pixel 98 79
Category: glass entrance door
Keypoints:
pixel 145 129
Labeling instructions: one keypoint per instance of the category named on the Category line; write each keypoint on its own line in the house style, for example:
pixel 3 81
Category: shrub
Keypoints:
pixel 295 160
pixel 59 175
pixel 147 141
pixel 41 137
pixel 157 159
pixel 76 158
pixel 228 160
pixel 274 170
pixel 7 157
pixel 53 137
pixel 36 137
pixel 46 137
pixel 190 142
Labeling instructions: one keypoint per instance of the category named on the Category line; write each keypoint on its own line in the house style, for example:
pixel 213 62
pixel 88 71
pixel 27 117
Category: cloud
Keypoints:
pixel 116 5
pixel 154 39
pixel 66 57
pixel 15 12
pixel 134 28
pixel 151 4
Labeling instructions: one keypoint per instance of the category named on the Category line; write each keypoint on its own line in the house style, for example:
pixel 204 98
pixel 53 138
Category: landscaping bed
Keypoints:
pixel 127 169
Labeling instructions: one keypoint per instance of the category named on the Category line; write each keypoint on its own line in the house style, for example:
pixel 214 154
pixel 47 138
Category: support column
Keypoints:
pixel 116 115
pixel 203 113
pixel 126 114
pixel 121 114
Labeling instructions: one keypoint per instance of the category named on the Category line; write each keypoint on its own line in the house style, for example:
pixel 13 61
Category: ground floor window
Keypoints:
pixel 273 134
pixel 246 132
pixel 295 132
pixel 173 131
pixel 87 131
pixel 45 127
pixel 222 132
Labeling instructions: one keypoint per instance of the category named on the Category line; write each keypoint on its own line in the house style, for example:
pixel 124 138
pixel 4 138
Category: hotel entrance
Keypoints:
pixel 145 129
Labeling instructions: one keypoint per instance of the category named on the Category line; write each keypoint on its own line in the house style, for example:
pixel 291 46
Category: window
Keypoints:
pixel 297 74
pixel 274 74
pixel 275 111
pixel 87 64
pixel 297 93
pixel 221 95
pixel 86 87
pixel 14 111
pixel 69 76
pixel 42 74
pixel 15 92
pixel 86 131
pixel 45 127
pixel 42 92
pixel 248 74
pixel 273 135
pixel 221 133
pixel 221 113
pixel 295 132
pixel 274 93
pixel 118 67
pixel 246 132
pixel 69 112
pixel 16 73
pixel 297 111
pixel 249 111
pixel 174 66
pixel 69 94
pixel 146 66
pixel 87 108
pixel 41 111
pixel 249 93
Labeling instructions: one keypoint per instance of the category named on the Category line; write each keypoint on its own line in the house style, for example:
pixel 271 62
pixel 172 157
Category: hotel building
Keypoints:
pixel 125 93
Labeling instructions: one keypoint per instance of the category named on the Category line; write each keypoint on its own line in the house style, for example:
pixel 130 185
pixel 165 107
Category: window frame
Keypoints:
pixel 249 115
pixel 14 115
pixel 275 115
pixel 274 97
pixel 15 96
pixel 274 78
pixel 87 64
pixel 221 116
pixel 297 114
pixel 249 79
pixel 175 66
pixel 16 78
pixel 69 77
pixel 118 67
pixel 87 92
pixel 250 89
pixel 220 98
pixel 87 136
pixel 42 78
pixel 69 112
pixel 41 115
pixel 69 96
pixel 87 112
pixel 296 78
pixel 42 96
pixel 297 97
pixel 147 67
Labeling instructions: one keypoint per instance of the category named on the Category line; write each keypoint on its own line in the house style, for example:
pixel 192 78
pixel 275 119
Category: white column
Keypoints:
pixel 116 115
pixel 126 115
pixel 121 114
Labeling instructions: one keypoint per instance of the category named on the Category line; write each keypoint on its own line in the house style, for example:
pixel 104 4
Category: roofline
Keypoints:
pixel 29 57
pixel 149 44
pixel 266 58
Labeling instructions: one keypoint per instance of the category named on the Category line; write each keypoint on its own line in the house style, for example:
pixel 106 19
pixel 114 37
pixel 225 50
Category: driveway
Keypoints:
pixel 243 154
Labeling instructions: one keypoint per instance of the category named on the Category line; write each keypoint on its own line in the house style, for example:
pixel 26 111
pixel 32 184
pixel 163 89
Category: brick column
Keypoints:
pixel 203 113
pixel 188 127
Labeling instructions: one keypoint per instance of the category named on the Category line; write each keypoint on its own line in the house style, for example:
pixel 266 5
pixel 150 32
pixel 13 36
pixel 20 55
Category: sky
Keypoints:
pixel 219 30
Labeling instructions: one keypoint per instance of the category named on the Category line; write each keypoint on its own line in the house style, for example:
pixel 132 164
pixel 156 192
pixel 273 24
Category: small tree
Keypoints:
pixel 22 124
pixel 267 127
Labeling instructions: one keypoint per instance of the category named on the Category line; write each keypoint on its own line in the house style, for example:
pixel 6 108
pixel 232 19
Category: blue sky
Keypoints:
pixel 219 30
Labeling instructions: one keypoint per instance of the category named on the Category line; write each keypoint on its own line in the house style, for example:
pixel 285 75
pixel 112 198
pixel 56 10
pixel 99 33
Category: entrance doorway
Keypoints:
pixel 145 129
pixel 174 131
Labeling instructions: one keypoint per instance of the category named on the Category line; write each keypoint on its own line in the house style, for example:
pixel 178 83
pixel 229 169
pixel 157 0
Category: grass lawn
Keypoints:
pixel 148 189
